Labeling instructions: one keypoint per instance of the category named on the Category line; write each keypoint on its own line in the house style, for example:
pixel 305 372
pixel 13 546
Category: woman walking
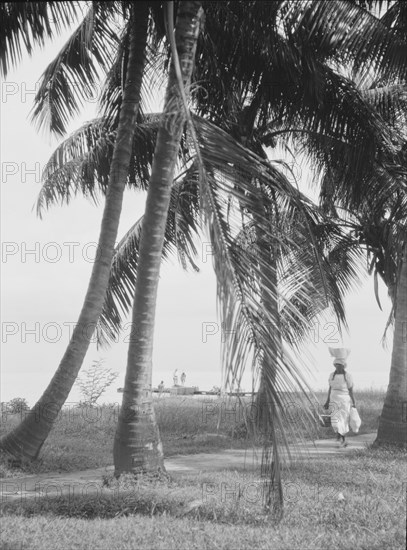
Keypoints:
pixel 340 396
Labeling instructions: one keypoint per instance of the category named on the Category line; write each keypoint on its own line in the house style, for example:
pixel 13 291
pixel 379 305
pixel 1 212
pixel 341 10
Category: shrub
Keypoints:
pixel 94 381
pixel 17 405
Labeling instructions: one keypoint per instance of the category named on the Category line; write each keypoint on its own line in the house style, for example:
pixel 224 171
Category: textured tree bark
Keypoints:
pixel 137 445
pixel 26 440
pixel 393 420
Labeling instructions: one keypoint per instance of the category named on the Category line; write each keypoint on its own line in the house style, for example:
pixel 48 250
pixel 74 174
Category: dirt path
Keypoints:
pixel 91 481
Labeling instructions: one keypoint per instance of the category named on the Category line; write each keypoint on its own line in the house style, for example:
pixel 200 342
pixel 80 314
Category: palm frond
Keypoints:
pixel 81 164
pixel 395 17
pixel 251 331
pixel 310 286
pixel 25 24
pixel 389 101
pixel 351 30
pixel 74 75
pixel 181 232
pixel 154 77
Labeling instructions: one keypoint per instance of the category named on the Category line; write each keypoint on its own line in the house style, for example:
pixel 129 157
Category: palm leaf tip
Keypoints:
pixel 74 75
pixel 26 24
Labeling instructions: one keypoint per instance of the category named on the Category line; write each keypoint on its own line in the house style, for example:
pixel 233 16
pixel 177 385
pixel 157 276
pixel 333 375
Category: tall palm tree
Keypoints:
pixel 137 445
pixel 26 440
pixel 382 231
pixel 379 222
pixel 392 423
pixel 386 244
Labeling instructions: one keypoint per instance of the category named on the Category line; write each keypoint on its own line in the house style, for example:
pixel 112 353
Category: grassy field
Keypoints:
pixel 353 501
pixel 83 437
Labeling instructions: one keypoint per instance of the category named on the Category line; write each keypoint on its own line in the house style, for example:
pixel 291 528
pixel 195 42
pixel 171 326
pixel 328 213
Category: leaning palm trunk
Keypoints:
pixel 137 445
pixel 393 420
pixel 26 440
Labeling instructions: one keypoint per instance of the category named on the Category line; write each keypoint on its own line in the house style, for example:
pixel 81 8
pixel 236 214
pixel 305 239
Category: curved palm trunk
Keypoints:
pixel 26 440
pixel 393 420
pixel 137 445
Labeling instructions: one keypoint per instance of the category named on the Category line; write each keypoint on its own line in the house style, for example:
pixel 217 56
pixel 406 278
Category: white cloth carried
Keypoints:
pixel 354 420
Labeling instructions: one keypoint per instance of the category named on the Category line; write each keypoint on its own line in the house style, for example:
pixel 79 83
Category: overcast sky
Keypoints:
pixel 45 267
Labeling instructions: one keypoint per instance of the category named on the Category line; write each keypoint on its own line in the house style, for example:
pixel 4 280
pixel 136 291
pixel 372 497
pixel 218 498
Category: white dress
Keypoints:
pixel 340 402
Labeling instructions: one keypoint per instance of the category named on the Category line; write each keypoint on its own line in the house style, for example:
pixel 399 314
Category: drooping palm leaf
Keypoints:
pixel 81 164
pixel 395 17
pixel 312 286
pixel 389 101
pixel 248 325
pixel 181 232
pixel 25 24
pixel 74 75
pixel 293 87
pixel 346 28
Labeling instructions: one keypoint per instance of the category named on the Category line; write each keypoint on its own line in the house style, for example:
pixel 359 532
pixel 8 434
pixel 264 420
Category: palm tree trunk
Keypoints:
pixel 137 445
pixel 26 440
pixel 270 360
pixel 393 420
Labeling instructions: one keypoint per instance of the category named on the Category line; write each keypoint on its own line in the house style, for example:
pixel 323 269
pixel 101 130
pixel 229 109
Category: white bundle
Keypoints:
pixel 339 353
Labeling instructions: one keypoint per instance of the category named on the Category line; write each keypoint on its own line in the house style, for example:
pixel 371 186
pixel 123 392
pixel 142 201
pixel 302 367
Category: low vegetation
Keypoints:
pixel 83 436
pixel 355 501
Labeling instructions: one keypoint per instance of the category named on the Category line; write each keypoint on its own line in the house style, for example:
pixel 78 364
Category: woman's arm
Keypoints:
pixel 352 397
pixel 328 398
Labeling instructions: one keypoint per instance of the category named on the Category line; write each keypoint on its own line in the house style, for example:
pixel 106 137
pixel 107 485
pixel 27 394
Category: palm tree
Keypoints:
pixel 382 231
pixel 28 437
pixel 392 423
pixel 379 224
pixel 137 445
pixel 386 244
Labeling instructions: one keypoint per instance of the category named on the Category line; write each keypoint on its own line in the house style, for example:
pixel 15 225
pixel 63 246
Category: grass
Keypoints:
pixel 82 438
pixel 225 510
pixel 354 501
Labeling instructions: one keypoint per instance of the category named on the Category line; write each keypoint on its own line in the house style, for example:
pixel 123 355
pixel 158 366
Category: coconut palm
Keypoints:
pixel 137 444
pixel 27 438
pixel 386 242
pixel 392 267
pixel 380 226
pixel 392 423
pixel 379 223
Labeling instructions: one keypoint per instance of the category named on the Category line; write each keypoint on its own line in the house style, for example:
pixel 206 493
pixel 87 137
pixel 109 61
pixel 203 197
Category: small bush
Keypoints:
pixel 16 406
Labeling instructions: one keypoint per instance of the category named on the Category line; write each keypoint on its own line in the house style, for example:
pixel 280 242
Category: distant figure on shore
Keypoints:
pixel 183 378
pixel 161 387
pixel 175 377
